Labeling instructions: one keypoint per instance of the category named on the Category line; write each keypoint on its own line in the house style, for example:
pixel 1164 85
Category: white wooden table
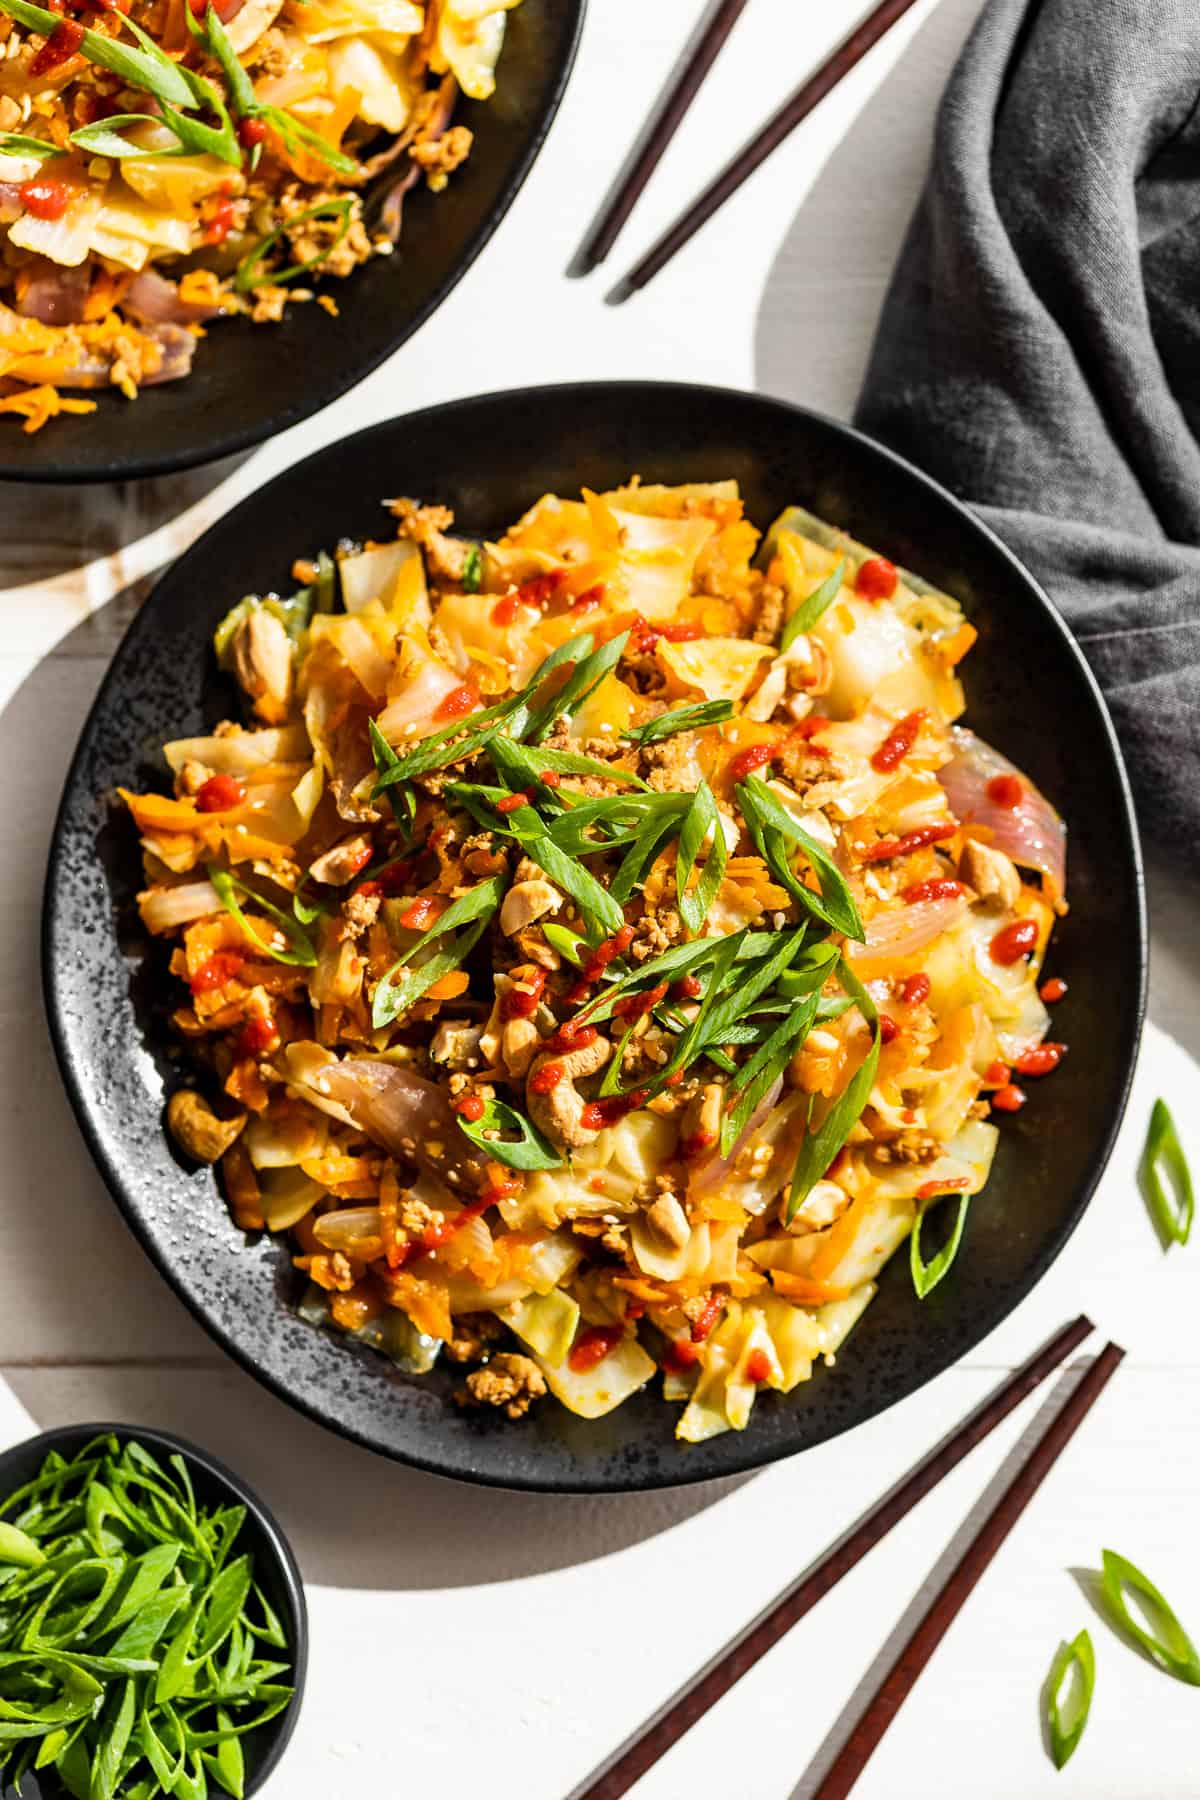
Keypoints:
pixel 470 1642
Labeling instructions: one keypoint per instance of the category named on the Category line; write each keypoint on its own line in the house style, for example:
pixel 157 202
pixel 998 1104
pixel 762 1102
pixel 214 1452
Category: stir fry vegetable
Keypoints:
pixel 580 954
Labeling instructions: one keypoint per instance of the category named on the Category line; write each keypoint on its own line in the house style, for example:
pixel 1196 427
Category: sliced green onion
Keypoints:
pixel 682 718
pixel 594 902
pixel 809 611
pixel 298 136
pixel 764 815
pixel 13 144
pixel 1066 1718
pixel 300 949
pixel 103 138
pixel 641 854
pixel 567 943
pixel 583 680
pixel 671 964
pixel 758 1072
pixel 926 1275
pixel 752 982
pixel 472 573
pixel 247 278
pixel 1163 1154
pixel 701 821
pixel 517 763
pixel 521 1146
pixel 213 35
pixel 821 1146
pixel 399 791
pixel 19 1549
pixel 474 909
pixel 1170 1647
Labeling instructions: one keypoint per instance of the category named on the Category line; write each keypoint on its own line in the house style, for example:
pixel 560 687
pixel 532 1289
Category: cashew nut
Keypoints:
pixel 343 862
pixel 527 901
pixel 196 1128
pixel 557 1114
pixel 248 25
pixel 262 662
pixel 667 1219
pixel 990 873
pixel 824 1202
pixel 519 1040
pixel 702 1115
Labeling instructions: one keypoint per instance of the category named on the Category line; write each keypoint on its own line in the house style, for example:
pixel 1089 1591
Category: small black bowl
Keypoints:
pixel 1029 691
pixel 250 382
pixel 261 1535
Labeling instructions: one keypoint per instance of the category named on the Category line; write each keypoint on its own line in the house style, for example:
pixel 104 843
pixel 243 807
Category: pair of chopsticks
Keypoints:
pixel 704 1692
pixel 604 233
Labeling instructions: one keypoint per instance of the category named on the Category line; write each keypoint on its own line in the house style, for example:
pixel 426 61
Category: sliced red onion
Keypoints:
pixel 714 1170
pixel 178 347
pixel 1031 833
pixel 153 300
pixel 904 933
pixel 407 1115
pixel 55 295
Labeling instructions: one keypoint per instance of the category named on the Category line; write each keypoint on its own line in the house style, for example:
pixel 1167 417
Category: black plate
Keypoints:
pixel 250 382
pixel 274 1567
pixel 1030 692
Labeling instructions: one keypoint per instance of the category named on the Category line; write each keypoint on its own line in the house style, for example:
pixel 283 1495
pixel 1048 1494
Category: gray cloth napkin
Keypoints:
pixel 1039 350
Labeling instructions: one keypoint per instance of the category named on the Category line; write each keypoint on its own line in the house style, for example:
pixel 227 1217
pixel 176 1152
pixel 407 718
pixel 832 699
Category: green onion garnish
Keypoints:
pixel 1170 1647
pixel 249 276
pixel 475 909
pixel 228 888
pixel 472 574
pixel 701 821
pixel 1067 1715
pixel 13 144
pixel 926 1275
pixel 682 718
pixel 821 1146
pixel 1163 1154
pixel 772 826
pixel 809 611
pixel 522 1146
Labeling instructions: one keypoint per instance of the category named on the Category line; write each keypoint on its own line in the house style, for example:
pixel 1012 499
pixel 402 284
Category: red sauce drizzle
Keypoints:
pixel 258 1035
pixel 1053 990
pixel 707 1317
pixel 522 1002
pixel 511 802
pixel 609 1111
pixel 877 579
pixel 44 198
pixel 898 742
pixel 589 598
pixel 888 1029
pixel 758 1367
pixel 250 131
pixel 634 1005
pixel 544 1079
pixel 949 1184
pixel 59 47
pixel 1014 941
pixel 997 1074
pixel 470 1107
pixel 568 1037
pixel 459 700
pixel 941 888
pixel 221 966
pixel 688 987
pixel 1043 1059
pixel 1006 790
pixel 1009 1098
pixel 886 848
pixel 219 793
pixel 423 911
pixel 593 1345
pixel 680 1354
pixel 915 990
pixel 746 761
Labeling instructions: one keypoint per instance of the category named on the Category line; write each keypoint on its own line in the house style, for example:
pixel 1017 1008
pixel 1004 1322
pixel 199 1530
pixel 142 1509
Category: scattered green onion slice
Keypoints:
pixel 926 1275
pixel 1164 1155
pixel 248 277
pixel 821 1146
pixel 521 1145
pixel 1067 1715
pixel 809 611
pixel 475 910
pixel 701 821
pixel 682 718
pixel 1171 1648
pixel 300 949
pixel 765 816
pixel 472 574
pixel 567 943
pixel 13 144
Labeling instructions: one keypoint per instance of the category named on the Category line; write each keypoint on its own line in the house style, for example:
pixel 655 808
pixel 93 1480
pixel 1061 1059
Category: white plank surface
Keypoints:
pixel 467 1641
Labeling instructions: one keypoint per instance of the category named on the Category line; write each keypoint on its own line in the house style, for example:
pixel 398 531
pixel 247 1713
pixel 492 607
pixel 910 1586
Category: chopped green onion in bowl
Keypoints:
pixel 153 1632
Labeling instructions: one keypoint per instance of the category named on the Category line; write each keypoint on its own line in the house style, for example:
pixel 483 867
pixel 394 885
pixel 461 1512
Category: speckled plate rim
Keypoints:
pixel 214 449
pixel 154 1437
pixel 749 1458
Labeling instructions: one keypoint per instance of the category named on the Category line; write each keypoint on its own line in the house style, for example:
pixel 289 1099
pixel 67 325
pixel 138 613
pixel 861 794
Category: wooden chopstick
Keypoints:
pixel 605 231
pixel 849 52
pixel 710 1685
pixel 901 1678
